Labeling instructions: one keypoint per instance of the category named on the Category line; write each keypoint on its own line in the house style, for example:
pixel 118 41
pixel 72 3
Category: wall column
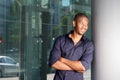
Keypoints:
pixel 106 36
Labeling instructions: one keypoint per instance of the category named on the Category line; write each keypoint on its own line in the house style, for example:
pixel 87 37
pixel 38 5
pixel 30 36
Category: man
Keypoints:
pixel 72 53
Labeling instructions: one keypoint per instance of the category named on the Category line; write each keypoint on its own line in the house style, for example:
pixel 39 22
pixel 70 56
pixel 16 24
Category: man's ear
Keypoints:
pixel 74 23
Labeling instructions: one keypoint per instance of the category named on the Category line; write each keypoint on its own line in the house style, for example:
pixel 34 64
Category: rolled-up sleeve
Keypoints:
pixel 55 53
pixel 87 57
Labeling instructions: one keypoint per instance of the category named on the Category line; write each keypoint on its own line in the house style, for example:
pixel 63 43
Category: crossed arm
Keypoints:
pixel 61 63
pixel 66 64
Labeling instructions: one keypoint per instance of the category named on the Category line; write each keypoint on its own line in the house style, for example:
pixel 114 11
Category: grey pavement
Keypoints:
pixel 10 78
pixel 87 76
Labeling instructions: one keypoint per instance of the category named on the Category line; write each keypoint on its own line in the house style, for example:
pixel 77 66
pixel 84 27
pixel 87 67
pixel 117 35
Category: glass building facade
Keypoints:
pixel 28 29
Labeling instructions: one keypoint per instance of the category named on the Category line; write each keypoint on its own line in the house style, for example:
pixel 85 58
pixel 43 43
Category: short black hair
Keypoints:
pixel 80 15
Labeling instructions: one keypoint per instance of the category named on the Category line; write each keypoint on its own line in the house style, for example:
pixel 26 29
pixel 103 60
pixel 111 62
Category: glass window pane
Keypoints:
pixel 28 29
pixel 10 61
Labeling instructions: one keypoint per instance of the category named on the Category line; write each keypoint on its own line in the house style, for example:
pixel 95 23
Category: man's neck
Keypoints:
pixel 75 37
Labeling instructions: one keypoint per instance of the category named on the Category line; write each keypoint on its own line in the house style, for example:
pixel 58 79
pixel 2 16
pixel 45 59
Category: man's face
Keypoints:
pixel 81 25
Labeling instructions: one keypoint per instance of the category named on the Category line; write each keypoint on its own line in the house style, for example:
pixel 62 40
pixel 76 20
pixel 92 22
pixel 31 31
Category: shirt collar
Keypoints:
pixel 82 39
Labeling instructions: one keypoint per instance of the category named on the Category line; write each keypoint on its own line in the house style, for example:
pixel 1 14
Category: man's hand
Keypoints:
pixel 60 66
pixel 62 59
pixel 75 65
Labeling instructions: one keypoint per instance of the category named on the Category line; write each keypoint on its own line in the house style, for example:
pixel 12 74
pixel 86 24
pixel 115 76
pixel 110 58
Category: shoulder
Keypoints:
pixel 88 42
pixel 60 38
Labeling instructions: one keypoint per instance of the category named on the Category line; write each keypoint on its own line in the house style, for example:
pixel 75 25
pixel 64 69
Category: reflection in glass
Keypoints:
pixel 28 29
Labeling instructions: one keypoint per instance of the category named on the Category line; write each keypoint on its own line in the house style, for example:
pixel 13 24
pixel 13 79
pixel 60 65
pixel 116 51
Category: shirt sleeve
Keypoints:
pixel 87 57
pixel 55 53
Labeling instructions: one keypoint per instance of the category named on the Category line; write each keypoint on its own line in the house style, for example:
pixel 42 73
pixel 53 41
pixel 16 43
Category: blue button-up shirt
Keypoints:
pixel 64 47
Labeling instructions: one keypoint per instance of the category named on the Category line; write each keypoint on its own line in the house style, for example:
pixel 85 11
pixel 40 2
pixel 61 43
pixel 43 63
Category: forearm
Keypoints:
pixel 75 65
pixel 60 66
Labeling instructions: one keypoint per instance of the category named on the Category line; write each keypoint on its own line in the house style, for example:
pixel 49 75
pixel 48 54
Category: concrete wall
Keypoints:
pixel 106 35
